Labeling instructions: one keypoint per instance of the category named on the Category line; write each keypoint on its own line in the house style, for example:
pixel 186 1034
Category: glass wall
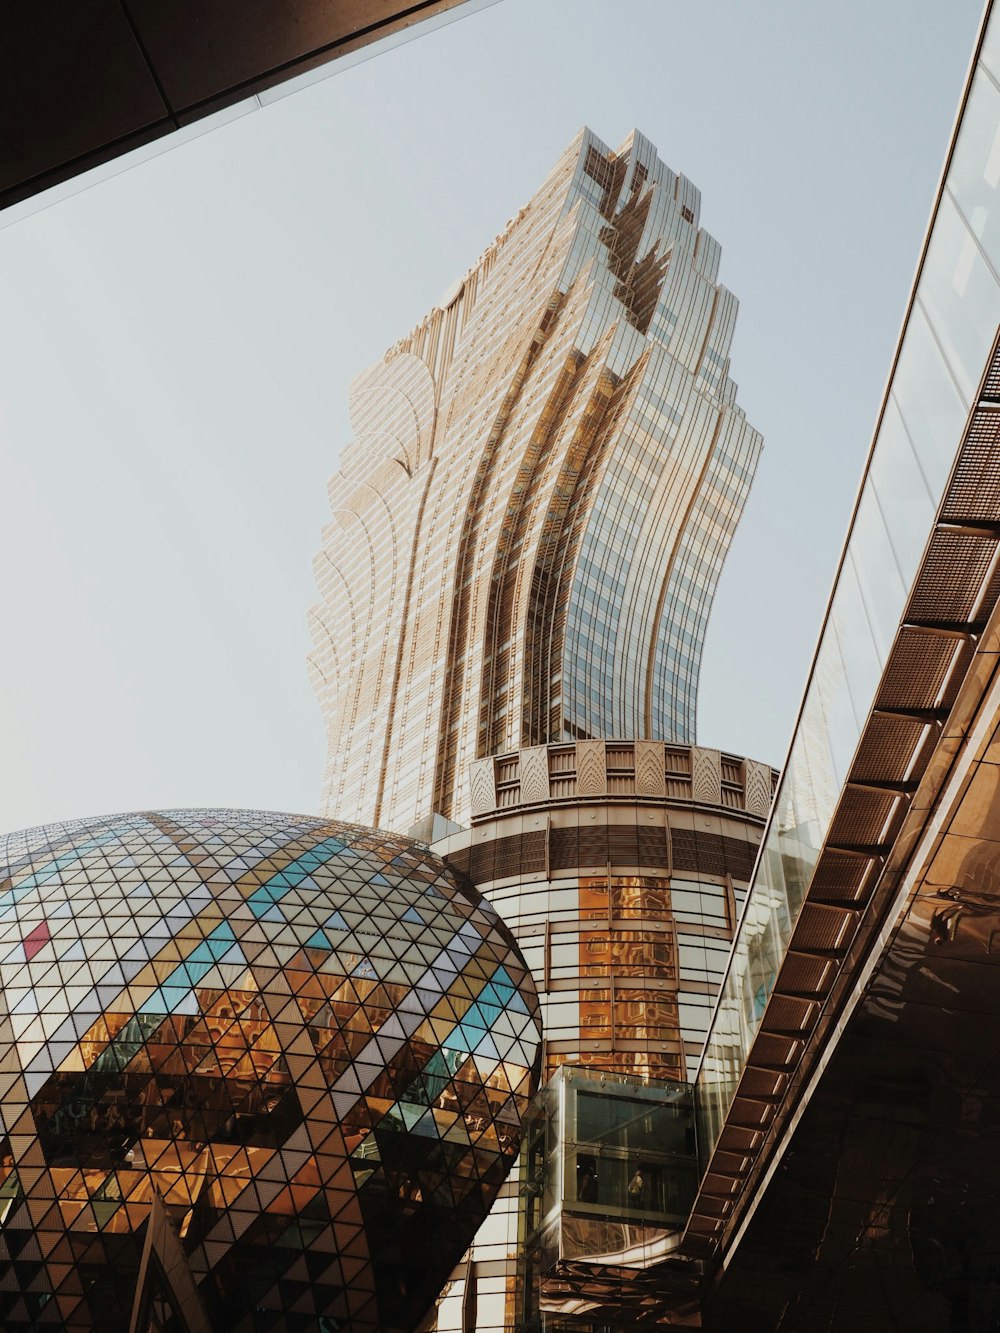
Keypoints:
pixel 947 339
pixel 609 1172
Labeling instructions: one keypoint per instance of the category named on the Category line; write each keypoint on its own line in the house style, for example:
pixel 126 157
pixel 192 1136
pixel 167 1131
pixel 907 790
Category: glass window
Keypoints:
pixel 826 740
pixel 882 589
pixel 960 296
pixel 948 337
pixel 929 403
pixel 899 483
pixel 974 176
pixel 990 54
pixel 862 663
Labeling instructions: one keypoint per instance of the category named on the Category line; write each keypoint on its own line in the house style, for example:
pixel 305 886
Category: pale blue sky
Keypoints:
pixel 177 342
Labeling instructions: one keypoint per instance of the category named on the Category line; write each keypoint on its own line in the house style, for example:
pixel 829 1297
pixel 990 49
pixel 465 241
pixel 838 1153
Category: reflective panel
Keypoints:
pixel 296 1051
pixel 609 1172
pixel 898 482
pixel 960 295
pixel 929 401
pixel 975 174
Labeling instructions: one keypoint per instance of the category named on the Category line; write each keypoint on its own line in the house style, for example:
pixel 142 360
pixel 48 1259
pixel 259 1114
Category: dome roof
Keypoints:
pixel 287 1054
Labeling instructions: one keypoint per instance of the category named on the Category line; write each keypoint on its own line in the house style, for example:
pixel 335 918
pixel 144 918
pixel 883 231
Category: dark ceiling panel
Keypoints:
pixel 73 80
pixel 202 49
pixel 82 81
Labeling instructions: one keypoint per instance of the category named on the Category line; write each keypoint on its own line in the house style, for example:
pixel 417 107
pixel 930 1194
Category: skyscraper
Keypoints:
pixel 527 535
pixel 530 524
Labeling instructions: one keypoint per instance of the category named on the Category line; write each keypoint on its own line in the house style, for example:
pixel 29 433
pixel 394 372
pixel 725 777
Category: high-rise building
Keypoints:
pixel 528 531
pixel 621 869
pixel 546 474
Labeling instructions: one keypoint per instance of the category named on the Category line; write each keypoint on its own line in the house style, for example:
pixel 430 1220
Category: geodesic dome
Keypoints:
pixel 258 1071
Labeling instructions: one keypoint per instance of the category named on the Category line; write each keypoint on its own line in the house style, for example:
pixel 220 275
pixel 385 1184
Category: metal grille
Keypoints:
pixel 693 851
pixel 653 854
pixel 520 856
pixel 991 386
pixel 952 574
pixel 806 975
pixel 593 847
pixel 712 854
pixel 974 493
pixel 563 854
pixel 740 857
pixel 461 860
pixel 623 845
pixel 841 877
pixel 860 817
pixel 481 862
pixel 823 929
pixel 886 749
pixel 916 670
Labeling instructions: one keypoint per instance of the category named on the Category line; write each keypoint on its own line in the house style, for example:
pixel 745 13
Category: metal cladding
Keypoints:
pixel 546 474
pixel 259 1071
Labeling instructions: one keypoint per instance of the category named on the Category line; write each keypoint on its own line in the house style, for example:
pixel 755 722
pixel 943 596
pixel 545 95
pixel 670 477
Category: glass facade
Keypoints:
pixel 608 1173
pixel 530 524
pixel 947 338
pixel 259 1072
pixel 620 868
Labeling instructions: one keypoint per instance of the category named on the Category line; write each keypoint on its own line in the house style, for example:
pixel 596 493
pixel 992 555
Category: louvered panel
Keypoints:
pixel 593 846
pixel 481 862
pixel 653 853
pixel 623 845
pixel 739 856
pixel 991 385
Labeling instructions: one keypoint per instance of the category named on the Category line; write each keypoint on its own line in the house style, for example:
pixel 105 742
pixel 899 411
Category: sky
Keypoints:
pixel 177 341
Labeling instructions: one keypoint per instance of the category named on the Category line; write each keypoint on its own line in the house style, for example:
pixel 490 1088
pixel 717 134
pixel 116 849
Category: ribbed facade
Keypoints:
pixel 531 521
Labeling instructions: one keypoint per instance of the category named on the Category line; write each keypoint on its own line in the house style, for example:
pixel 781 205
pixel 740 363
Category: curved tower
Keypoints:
pixel 530 524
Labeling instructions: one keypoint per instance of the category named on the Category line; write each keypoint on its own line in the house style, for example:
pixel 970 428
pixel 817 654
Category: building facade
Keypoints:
pixel 621 868
pixel 530 524
pixel 260 1072
pixel 849 1122
pixel 917 583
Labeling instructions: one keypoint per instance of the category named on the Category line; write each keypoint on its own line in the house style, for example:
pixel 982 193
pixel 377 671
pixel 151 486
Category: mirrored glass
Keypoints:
pixel 862 664
pixel 929 402
pixel 960 296
pixel 882 589
pixel 990 53
pixel 901 488
pixel 826 738
pixel 974 176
